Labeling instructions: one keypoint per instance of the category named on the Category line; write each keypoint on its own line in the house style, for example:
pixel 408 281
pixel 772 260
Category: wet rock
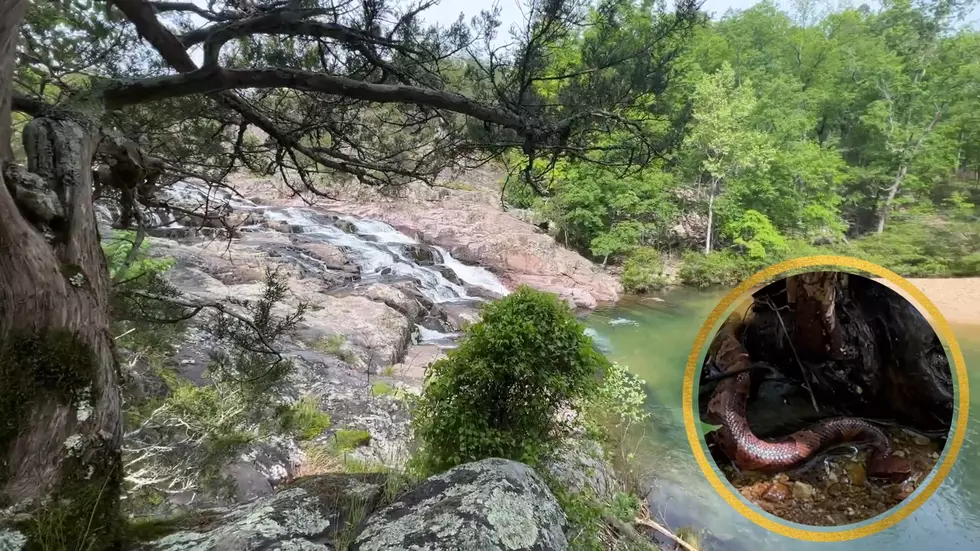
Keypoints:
pixel 450 275
pixel 488 505
pixel 458 315
pixel 331 256
pixel 424 255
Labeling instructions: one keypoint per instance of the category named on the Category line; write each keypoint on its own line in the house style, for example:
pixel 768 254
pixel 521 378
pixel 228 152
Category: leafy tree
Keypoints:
pixel 721 140
pixel 314 91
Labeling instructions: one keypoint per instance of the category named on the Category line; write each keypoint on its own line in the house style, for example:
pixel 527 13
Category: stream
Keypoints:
pixel 654 339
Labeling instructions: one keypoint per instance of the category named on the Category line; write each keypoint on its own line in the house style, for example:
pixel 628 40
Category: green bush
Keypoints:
pixel 498 394
pixel 718 268
pixel 643 271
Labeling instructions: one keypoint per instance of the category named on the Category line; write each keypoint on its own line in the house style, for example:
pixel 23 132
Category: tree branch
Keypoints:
pixel 216 79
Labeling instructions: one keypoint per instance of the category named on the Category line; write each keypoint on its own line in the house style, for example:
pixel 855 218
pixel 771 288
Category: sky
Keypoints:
pixel 447 11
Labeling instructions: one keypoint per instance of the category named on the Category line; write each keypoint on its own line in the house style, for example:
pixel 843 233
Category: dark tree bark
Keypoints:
pixel 13 13
pixel 60 428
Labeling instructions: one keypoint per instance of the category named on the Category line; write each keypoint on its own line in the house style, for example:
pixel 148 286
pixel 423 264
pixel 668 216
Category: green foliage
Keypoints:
pixel 499 393
pixel 305 418
pixel 585 518
pixel 350 439
pixel 922 247
pixel 643 271
pixel 142 324
pixel 753 231
pixel 381 388
pixel 720 268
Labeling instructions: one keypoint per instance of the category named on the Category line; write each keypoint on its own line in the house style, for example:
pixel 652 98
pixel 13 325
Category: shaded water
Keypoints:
pixel 654 339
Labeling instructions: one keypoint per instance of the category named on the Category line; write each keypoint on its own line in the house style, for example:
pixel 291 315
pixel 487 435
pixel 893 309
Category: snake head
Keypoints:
pixel 895 469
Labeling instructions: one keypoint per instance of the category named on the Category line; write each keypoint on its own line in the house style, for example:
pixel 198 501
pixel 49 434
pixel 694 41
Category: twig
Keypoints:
pixel 806 379
pixel 628 531
pixel 664 531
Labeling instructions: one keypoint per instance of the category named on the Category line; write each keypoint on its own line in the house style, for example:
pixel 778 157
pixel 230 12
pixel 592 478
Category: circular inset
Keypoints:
pixel 841 350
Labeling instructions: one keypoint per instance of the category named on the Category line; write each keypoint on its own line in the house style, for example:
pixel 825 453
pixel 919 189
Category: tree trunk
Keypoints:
pixel 60 425
pixel 892 192
pixel 13 13
pixel 711 215
pixel 815 296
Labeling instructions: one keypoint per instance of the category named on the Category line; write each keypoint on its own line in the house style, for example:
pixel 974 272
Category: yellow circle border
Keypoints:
pixel 897 514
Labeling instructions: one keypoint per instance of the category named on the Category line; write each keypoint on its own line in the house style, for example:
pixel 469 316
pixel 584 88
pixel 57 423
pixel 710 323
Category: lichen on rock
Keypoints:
pixel 307 515
pixel 493 504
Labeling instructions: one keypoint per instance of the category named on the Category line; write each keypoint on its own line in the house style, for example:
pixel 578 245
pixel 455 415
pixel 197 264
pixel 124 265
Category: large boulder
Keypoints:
pixel 489 505
pixel 308 515
pixel 582 467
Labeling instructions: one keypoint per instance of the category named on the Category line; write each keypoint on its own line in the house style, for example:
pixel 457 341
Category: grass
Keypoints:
pixel 381 388
pixel 691 537
pixel 358 511
pixel 305 418
pixel 388 371
pixel 334 345
pixel 350 439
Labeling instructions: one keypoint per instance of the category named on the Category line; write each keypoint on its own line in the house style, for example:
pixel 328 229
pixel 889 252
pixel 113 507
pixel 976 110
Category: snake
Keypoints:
pixel 748 452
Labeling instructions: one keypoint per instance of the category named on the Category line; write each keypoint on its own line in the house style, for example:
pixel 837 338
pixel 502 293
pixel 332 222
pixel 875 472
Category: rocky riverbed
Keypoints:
pixel 390 285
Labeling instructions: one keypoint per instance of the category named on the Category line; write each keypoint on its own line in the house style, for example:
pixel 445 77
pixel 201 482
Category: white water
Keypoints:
pixel 431 336
pixel 382 255
pixel 379 230
pixel 473 275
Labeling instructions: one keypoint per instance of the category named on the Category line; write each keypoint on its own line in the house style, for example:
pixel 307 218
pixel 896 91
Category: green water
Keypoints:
pixel 654 339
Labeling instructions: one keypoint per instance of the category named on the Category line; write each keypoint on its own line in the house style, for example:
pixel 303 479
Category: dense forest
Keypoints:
pixel 806 129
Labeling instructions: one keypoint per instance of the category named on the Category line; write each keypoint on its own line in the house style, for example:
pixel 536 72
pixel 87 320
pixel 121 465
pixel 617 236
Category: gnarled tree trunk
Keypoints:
pixel 815 296
pixel 60 425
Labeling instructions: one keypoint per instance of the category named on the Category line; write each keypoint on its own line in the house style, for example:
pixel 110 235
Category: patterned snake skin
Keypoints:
pixel 751 453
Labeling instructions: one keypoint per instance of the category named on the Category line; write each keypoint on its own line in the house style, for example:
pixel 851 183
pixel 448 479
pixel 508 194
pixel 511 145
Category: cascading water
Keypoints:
pixel 381 252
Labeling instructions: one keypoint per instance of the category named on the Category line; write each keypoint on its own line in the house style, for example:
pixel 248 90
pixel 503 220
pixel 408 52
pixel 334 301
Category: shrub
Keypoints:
pixel 643 271
pixel 718 268
pixel 499 393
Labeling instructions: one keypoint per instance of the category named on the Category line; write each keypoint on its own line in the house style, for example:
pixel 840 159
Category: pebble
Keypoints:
pixel 934 455
pixel 802 490
pixel 777 492
pixel 900 453
pixel 921 440
pixel 851 512
pixel 857 474
pixel 782 477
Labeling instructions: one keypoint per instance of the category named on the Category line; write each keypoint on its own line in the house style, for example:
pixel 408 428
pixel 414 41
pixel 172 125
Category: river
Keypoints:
pixel 654 339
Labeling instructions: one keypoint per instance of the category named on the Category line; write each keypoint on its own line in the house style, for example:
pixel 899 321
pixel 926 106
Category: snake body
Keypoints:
pixel 747 451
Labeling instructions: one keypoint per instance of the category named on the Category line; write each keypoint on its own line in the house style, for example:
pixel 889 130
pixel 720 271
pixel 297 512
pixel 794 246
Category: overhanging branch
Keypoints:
pixel 215 79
